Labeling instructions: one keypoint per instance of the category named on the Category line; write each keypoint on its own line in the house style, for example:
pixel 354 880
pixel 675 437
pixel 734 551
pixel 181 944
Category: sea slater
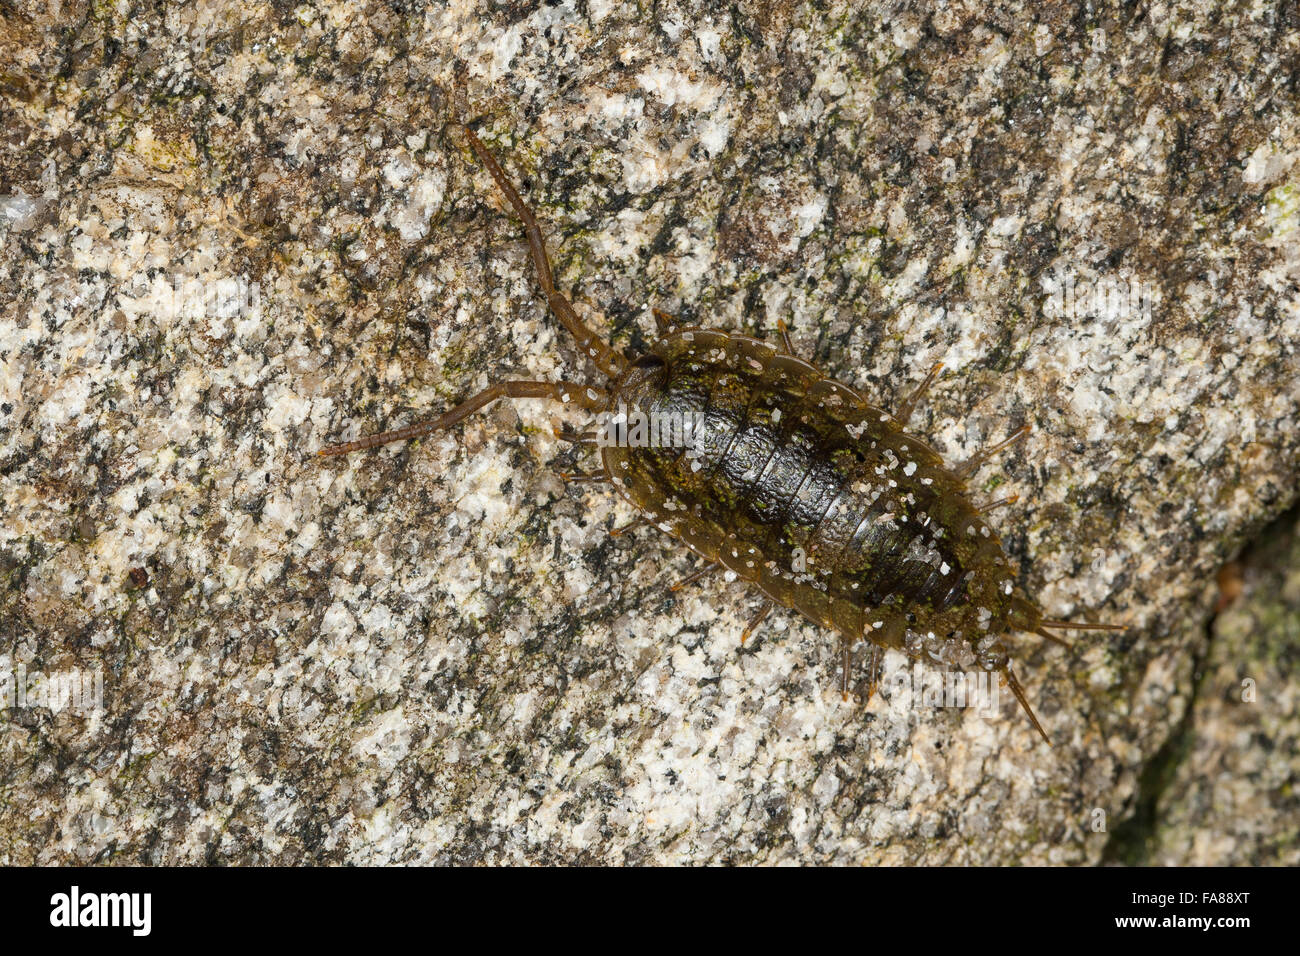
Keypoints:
pixel 790 481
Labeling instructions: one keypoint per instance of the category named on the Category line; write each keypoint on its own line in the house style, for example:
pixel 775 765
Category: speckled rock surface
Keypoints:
pixel 1232 798
pixel 234 232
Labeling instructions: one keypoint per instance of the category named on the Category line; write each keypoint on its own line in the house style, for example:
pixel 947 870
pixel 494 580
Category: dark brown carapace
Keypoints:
pixel 793 483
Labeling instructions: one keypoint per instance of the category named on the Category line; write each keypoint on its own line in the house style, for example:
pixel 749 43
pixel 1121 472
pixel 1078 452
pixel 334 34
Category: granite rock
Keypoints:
pixel 1225 792
pixel 234 232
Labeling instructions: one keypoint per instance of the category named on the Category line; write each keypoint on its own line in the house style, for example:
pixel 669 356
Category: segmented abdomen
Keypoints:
pixel 791 481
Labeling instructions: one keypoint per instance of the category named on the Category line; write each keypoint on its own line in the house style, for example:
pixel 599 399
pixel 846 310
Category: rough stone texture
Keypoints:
pixel 1235 770
pixel 234 232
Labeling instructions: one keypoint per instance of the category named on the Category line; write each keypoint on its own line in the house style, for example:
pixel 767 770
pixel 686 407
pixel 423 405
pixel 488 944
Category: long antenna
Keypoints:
pixel 606 359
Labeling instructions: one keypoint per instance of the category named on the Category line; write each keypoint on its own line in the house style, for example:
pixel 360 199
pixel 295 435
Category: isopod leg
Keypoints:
pixel 874 663
pixel 694 576
pixel 993 505
pixel 580 478
pixel 1024 702
pixel 756 620
pixel 967 469
pixel 582 395
pixel 630 526
pixel 909 404
pixel 664 322
pixel 606 359
pixel 585 438
pixel 782 328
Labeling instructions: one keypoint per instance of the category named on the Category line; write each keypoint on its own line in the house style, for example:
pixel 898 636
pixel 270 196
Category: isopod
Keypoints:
pixel 792 482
